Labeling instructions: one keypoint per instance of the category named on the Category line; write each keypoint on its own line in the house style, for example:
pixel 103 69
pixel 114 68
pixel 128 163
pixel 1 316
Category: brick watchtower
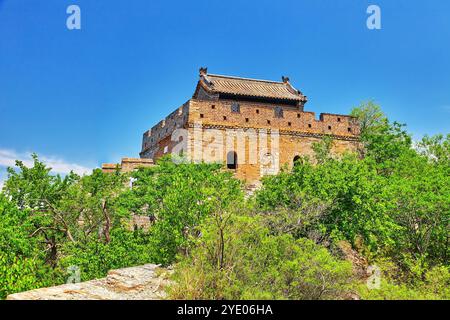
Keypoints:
pixel 224 109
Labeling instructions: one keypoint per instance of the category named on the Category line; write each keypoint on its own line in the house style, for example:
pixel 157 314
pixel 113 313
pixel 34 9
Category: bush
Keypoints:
pixel 22 265
pixel 19 274
pixel 250 263
pixel 95 258
pixel 435 287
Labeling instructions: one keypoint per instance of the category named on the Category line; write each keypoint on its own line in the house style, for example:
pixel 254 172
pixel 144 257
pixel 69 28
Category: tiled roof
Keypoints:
pixel 251 87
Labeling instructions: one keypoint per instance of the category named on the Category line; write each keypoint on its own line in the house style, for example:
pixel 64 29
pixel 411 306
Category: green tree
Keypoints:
pixel 322 149
pixel 36 192
pixel 21 257
pixel 381 140
pixel 417 197
pixel 93 203
pixel 178 197
pixel 436 149
pixel 347 193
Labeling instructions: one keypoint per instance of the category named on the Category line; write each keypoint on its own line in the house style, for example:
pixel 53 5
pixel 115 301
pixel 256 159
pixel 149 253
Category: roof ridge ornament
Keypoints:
pixel 203 71
pixel 285 79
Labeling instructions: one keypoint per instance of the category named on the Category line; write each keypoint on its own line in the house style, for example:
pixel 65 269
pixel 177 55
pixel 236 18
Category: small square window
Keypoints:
pixel 213 106
pixel 339 119
pixel 224 118
pixel 329 127
pixel 257 111
pixel 268 121
pixel 201 115
pixel 349 129
pixel 235 107
pixel 309 125
pixel 298 115
pixel 289 124
pixel 278 112
pixel 246 120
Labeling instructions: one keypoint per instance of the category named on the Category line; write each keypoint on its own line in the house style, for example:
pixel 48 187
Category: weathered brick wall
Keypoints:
pixel 130 164
pixel 262 115
pixel 210 123
pixel 127 165
pixel 151 138
pixel 214 148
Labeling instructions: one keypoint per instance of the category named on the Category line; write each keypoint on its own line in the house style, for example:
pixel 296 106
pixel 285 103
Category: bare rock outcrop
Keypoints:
pixel 359 263
pixel 145 282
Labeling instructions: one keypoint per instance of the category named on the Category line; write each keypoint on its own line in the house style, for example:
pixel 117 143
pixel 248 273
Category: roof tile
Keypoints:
pixel 251 87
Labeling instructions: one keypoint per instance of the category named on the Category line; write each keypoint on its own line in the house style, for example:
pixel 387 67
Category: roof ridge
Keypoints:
pixel 242 78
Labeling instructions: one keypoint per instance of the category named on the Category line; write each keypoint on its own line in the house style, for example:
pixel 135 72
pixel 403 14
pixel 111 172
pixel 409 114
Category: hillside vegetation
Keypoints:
pixel 389 202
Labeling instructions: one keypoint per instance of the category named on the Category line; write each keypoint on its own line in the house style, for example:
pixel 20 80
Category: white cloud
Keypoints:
pixel 8 159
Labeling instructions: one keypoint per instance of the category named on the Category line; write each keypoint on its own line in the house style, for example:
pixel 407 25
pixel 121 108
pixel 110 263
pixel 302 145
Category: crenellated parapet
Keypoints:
pixel 269 117
pixel 163 129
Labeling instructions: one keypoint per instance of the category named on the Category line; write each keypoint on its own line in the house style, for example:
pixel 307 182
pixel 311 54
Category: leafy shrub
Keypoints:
pixel 434 287
pixel 247 262
pixel 95 258
pixel 19 274
pixel 22 265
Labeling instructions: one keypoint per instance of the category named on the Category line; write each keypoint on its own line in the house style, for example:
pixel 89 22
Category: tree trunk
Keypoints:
pixel 106 230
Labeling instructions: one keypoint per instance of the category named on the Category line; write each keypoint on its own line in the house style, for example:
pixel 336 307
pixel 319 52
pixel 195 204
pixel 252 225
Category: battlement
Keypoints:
pixel 269 116
pixel 177 119
pixel 127 165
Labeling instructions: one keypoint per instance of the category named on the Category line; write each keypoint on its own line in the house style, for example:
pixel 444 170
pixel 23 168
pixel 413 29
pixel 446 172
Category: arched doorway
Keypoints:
pixel 232 160
pixel 297 161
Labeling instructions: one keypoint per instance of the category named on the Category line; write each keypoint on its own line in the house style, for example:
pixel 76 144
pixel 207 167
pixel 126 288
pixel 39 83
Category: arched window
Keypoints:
pixel 297 161
pixel 232 160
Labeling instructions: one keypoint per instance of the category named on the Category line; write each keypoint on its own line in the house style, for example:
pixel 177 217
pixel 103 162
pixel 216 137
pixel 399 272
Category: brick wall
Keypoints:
pixel 209 123
pixel 127 165
pixel 260 115
pixel 160 132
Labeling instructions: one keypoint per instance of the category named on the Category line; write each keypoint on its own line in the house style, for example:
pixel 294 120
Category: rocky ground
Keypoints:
pixel 145 282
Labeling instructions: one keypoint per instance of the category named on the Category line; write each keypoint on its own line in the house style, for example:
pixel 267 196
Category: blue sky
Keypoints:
pixel 83 97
